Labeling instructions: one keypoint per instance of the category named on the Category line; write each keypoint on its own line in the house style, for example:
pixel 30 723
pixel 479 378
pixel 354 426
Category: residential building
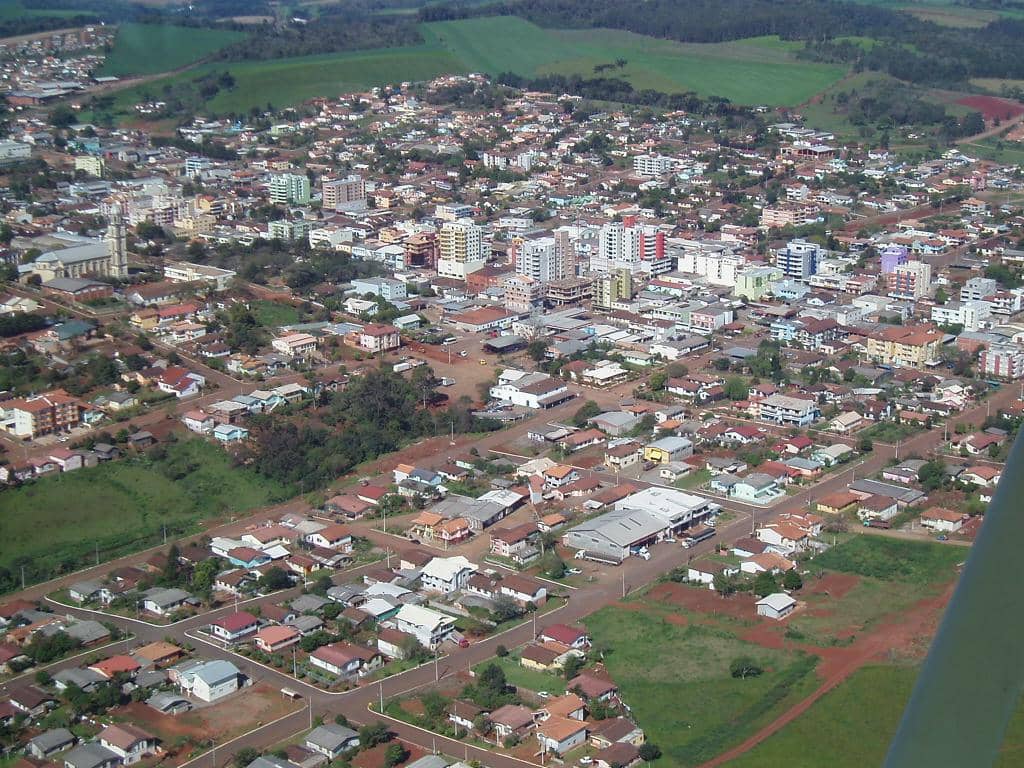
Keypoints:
pixel 379 337
pixel 462 249
pixel 289 189
pixel 45 414
pixel 910 281
pixel 128 741
pixel 208 681
pixel 799 259
pixel 910 346
pixel 1003 361
pixel 347 194
pixel 543 258
pixel 611 288
pixel 429 627
pixel 787 410
pixel 446 574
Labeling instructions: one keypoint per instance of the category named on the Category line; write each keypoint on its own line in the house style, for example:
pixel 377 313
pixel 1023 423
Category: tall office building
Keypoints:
pixel 462 249
pixel 289 188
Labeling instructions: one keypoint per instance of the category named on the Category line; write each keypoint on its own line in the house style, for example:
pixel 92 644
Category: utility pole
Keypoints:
pixel 623 583
pixel 381 689
pixel 23 577
pixel 437 675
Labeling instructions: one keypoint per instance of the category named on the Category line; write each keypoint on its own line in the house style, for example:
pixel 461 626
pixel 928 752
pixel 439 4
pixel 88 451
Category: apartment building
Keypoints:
pixel 910 281
pixel 789 215
pixel 1002 361
pixel 799 259
pixel 609 289
pixel 522 293
pixel 653 165
pixel 542 258
pixel 289 189
pixel 789 411
pixel 421 250
pixel 379 337
pixel 630 245
pixel 972 315
pixel 462 249
pixel 910 346
pixel 44 414
pixel 347 194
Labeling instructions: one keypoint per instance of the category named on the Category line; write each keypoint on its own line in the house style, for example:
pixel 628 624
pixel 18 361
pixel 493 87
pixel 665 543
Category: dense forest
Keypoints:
pixel 333 30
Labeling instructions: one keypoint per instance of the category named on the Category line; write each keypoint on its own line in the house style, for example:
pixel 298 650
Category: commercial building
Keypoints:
pixel 186 272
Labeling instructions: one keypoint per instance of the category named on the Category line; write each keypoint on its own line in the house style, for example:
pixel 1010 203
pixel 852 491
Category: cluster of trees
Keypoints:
pixel 617 89
pixel 336 28
pixel 378 413
pixel 15 325
pixel 490 689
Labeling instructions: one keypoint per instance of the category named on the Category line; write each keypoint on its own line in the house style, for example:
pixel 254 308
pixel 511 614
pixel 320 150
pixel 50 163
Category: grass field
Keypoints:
pixel 676 680
pixel 271 314
pixel 284 82
pixel 990 149
pixel 148 49
pixel 122 506
pixel 14 8
pixel 530 679
pixel 853 726
pixel 754 71
pixel 910 562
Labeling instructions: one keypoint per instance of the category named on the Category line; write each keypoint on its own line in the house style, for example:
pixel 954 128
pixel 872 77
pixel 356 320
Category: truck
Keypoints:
pixel 885 524
pixel 696 535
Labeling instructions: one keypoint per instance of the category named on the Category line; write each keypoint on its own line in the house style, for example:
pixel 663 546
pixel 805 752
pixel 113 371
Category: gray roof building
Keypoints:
pixel 50 742
pixel 331 739
pixel 91 755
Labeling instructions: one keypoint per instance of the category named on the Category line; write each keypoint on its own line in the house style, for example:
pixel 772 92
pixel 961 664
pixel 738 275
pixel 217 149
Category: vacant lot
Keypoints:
pixel 755 71
pixel 121 507
pixel 272 314
pixel 677 681
pixel 530 679
pixel 914 562
pixel 853 726
pixel 148 49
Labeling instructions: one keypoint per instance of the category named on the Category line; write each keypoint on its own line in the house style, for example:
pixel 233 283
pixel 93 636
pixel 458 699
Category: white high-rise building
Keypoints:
pixel 625 244
pixel 289 188
pixel 117 243
pixel 463 249
pixel 541 258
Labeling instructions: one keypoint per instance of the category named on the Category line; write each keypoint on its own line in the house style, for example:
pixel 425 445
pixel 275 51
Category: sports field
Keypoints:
pixel 753 71
pixel 148 49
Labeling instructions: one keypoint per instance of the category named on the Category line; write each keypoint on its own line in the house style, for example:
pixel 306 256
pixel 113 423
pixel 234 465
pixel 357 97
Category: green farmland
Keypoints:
pixel 753 71
pixel 56 523
pixel 148 49
pixel 283 82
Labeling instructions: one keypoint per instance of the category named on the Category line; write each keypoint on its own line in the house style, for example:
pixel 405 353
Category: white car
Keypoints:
pixel 573 571
pixel 645 555
pixel 669 540
pixel 543 695
pixel 586 760
pixel 62 439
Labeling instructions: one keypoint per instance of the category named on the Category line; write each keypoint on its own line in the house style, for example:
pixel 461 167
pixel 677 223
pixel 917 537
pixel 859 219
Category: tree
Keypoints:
pixel 735 388
pixel 657 381
pixel 932 474
pixel 792 580
pixel 744 667
pixel 372 734
pixel 865 445
pixel 505 609
pixel 245 756
pixel 501 651
pixel 765 584
pixel 537 350
pixel 395 754
pixel 585 413
pixel 62 116
pixel 273 580
pixel 572 666
pixel 552 566
pixel 941 297
pixel 649 752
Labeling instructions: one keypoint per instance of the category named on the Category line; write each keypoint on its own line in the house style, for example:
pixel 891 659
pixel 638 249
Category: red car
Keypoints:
pixel 463 643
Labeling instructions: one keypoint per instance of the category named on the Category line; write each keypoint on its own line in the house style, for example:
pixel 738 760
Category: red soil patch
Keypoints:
pixel 704 600
pixel 834 585
pixel 992 108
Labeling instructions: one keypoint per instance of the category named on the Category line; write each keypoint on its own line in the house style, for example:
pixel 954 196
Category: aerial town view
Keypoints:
pixel 505 383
